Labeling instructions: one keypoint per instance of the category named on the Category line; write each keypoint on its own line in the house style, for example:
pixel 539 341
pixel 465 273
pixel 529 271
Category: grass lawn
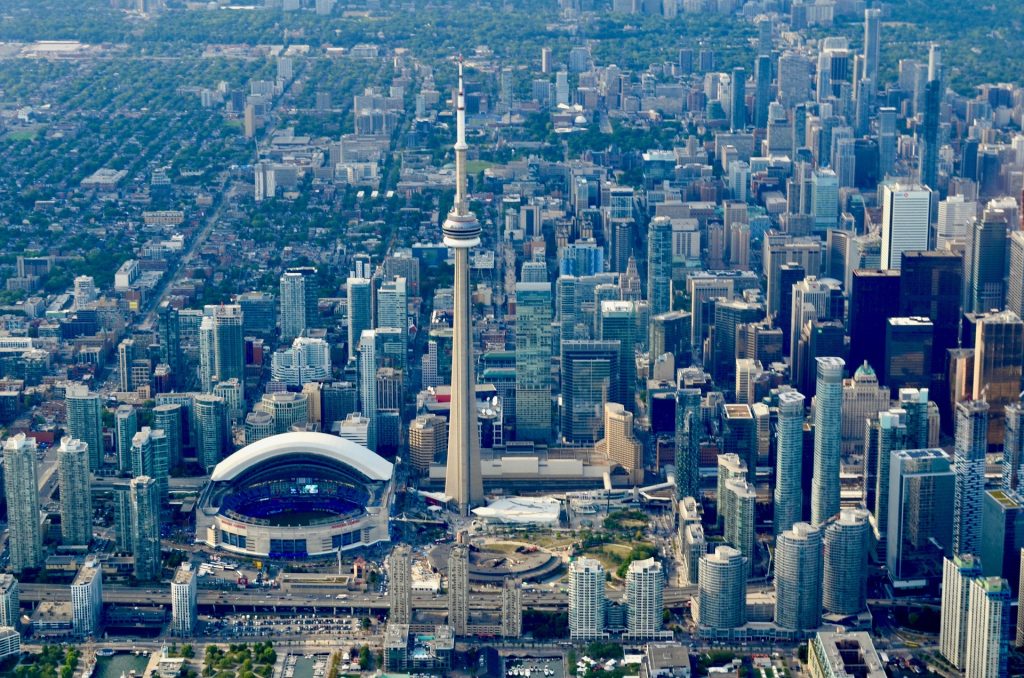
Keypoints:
pixel 23 135
pixel 553 540
pixel 477 166
pixel 613 555
pixel 502 547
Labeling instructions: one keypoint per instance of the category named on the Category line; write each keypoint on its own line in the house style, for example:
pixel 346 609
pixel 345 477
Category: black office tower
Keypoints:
pixel 931 284
pixel 874 298
pixel 763 82
pixel 789 275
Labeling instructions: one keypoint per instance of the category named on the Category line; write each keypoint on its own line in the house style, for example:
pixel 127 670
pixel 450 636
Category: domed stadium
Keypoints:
pixel 296 495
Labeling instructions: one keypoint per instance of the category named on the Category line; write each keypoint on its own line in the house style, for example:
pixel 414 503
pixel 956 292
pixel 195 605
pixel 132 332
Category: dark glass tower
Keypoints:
pixel 874 298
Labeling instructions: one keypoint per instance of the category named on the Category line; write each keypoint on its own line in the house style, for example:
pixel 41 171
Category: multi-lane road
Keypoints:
pixel 549 600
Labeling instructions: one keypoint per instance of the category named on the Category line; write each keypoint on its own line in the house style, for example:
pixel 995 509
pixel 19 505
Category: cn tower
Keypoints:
pixel 462 232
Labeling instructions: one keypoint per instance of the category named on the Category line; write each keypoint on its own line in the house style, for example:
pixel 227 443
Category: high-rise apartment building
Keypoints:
pixel 298 296
pixel 1015 286
pixel 87 600
pixel 688 437
pixel 659 265
pixel 789 461
pixel 511 608
pixel 258 425
pixel 144 495
pixel 828 421
pixel 957 574
pixel 988 628
pixel 740 507
pixel 586 599
pixel 169 336
pixel 75 492
pixel 1019 640
pixel 722 589
pixel 368 362
pixel 10 601
pixel 149 455
pixel 293 305
pixel 210 417
pixel 1013 447
pixel 1002 535
pixel 872 43
pixel 287 408
pixel 22 491
pixel 971 443
pixel 183 601
pixel 393 312
pixel 645 588
pixel 307 360
pixel 85 421
pixel 360 312
pixel 799 561
pixel 168 417
pixel 126 425
pixel 730 467
pixel 694 546
pixel 844 585
pixel 228 342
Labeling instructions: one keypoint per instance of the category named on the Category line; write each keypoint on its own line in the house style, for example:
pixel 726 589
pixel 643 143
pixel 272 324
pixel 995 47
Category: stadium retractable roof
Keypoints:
pixel 360 458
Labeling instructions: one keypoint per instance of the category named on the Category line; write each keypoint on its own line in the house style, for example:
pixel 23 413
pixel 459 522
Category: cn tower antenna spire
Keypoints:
pixel 460 207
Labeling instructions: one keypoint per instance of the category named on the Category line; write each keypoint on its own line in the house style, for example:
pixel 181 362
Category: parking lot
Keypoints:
pixel 246 626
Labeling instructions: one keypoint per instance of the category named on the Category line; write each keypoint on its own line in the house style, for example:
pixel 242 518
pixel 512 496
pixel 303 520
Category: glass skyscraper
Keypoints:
pixel 828 422
pixel 969 467
pixel 789 493
pixel 533 361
